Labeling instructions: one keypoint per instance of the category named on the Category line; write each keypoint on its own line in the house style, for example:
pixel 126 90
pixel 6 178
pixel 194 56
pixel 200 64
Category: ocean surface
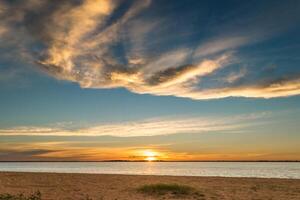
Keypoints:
pixel 224 169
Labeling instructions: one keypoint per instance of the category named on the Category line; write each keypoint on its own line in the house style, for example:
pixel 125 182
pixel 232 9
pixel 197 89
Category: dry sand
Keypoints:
pixel 124 187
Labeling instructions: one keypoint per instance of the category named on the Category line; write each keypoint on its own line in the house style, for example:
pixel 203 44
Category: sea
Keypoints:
pixel 290 170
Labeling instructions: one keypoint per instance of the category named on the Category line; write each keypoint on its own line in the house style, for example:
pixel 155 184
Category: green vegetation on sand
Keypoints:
pixel 162 188
pixel 35 196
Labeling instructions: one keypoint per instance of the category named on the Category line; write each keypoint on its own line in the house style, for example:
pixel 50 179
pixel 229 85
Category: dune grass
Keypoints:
pixel 161 189
pixel 35 196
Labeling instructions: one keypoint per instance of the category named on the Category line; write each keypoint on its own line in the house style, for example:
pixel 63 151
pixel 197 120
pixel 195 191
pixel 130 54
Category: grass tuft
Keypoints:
pixel 162 189
pixel 35 196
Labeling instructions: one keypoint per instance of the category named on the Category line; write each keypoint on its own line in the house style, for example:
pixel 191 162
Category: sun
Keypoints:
pixel 150 155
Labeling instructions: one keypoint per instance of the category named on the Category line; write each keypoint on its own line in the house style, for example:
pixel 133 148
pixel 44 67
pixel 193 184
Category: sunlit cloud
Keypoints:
pixel 278 88
pixel 53 152
pixel 150 127
pixel 82 41
pixel 239 137
pixel 235 76
pixel 65 152
pixel 220 44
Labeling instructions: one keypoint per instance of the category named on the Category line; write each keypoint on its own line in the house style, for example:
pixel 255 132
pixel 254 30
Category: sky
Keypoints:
pixel 149 80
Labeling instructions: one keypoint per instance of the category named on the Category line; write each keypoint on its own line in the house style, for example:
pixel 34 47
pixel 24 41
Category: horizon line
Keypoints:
pixel 149 161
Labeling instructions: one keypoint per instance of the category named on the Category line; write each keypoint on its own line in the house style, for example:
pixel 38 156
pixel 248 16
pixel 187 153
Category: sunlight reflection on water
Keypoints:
pixel 225 169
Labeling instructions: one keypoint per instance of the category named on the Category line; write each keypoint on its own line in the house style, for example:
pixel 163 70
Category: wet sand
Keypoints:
pixel 56 186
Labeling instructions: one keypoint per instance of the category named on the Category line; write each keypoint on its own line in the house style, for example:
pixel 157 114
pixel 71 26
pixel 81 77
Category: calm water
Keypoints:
pixel 226 169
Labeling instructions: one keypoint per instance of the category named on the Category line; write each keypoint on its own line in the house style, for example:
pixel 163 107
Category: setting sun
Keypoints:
pixel 150 155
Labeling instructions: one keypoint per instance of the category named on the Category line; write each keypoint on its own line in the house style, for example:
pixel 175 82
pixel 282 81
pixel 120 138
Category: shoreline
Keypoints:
pixel 75 186
pixel 90 173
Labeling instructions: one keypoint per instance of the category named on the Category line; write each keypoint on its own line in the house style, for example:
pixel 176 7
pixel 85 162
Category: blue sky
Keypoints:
pixel 209 76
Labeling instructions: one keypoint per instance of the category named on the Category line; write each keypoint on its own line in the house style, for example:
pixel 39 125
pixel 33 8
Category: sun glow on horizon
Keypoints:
pixel 150 155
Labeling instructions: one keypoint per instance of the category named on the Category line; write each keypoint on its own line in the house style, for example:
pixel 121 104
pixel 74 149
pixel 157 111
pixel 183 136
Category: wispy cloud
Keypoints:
pixel 218 45
pixel 236 137
pixel 150 127
pixel 97 45
pixel 236 75
pixel 10 154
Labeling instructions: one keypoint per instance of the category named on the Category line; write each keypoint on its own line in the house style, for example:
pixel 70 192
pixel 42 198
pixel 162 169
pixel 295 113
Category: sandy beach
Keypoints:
pixel 58 186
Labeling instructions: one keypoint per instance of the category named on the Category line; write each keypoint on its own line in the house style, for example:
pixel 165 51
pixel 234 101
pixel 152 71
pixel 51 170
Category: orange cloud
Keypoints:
pixel 77 43
pixel 149 127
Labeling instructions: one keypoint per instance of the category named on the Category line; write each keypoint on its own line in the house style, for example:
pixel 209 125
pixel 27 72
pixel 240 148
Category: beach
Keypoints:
pixel 67 186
